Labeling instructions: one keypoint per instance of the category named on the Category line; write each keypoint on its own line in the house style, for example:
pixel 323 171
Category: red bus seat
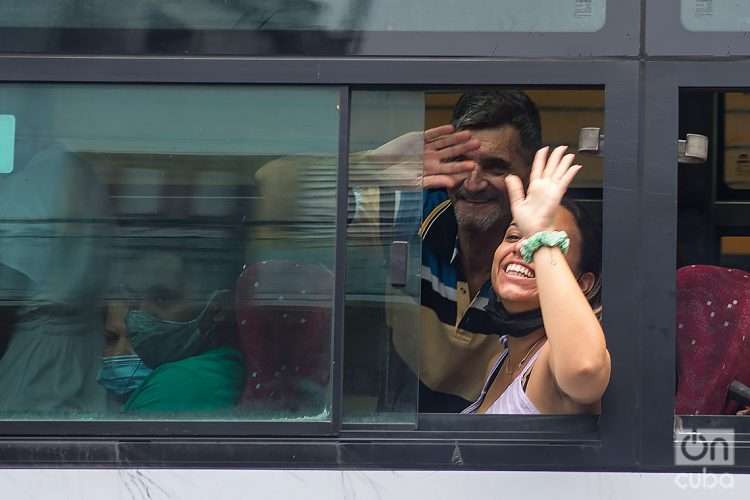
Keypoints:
pixel 713 338
pixel 284 325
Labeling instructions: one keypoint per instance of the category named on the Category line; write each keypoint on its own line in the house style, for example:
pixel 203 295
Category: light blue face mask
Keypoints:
pixel 122 374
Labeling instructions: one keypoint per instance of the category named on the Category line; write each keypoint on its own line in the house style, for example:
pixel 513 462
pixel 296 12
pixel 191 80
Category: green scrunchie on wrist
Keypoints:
pixel 544 239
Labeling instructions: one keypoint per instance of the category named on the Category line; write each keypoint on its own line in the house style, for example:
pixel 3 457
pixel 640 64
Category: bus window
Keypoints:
pixel 295 15
pixel 713 276
pixel 706 15
pixel 430 345
pixel 383 254
pixel 143 275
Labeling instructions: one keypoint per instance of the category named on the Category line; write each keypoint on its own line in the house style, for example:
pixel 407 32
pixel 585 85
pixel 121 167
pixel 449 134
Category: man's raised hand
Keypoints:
pixel 433 159
pixel 443 158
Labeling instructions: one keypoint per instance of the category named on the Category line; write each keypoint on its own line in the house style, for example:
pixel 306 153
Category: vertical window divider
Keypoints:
pixel 342 207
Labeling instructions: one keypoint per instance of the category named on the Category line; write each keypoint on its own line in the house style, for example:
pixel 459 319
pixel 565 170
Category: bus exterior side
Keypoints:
pixel 227 268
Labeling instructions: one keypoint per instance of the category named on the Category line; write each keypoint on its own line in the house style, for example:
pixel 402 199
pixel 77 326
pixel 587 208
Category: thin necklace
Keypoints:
pixel 528 353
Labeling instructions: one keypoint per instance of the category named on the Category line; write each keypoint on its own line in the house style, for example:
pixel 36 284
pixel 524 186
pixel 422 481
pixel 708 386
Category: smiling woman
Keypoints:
pixel 545 279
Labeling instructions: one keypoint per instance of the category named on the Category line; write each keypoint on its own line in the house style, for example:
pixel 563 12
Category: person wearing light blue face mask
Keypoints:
pixel 121 375
pixel 165 351
pixel 122 371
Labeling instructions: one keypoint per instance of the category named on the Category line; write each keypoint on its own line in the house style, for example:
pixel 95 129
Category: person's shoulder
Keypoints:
pixel 207 381
pixel 225 356
pixel 432 198
pixel 436 207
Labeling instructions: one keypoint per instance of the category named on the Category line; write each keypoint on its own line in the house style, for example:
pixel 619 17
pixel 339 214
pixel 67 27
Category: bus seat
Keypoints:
pixel 713 339
pixel 284 325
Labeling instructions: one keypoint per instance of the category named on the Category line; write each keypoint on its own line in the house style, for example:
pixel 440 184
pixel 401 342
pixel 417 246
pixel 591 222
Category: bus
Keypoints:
pixel 196 189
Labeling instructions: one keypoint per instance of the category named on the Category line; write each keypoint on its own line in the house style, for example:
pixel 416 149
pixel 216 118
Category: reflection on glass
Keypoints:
pixel 710 15
pixel 329 15
pixel 384 210
pixel 54 235
pixel 156 263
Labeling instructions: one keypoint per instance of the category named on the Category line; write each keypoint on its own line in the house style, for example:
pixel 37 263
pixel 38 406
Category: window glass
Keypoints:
pixel 736 141
pixel 154 261
pixel 431 345
pixel 710 15
pixel 713 276
pixel 327 15
pixel 735 251
pixel 383 256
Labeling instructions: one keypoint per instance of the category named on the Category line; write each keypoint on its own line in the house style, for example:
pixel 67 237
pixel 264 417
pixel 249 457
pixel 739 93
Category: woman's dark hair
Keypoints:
pixel 591 236
pixel 481 109
pixel 591 247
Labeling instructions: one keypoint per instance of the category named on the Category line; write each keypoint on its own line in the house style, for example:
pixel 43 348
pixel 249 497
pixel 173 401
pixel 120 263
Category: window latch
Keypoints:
pixel 591 141
pixel 399 263
pixel 693 149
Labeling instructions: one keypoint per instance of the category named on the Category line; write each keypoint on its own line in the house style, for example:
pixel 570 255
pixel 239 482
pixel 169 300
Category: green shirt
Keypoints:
pixel 210 381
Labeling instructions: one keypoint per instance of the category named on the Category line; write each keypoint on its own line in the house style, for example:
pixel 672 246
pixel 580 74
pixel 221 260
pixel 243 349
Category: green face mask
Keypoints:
pixel 159 341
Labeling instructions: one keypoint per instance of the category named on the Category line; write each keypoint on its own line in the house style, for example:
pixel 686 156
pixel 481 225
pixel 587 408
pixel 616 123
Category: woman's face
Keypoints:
pixel 514 281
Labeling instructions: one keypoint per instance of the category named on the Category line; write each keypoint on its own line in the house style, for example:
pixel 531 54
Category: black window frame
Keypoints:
pixel 664 81
pixel 666 36
pixel 493 442
pixel 620 36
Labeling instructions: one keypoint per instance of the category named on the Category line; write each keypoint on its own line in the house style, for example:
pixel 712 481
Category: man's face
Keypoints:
pixel 480 201
pixel 158 288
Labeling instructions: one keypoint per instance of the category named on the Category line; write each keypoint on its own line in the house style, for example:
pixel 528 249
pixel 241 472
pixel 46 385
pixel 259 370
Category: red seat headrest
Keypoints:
pixel 713 337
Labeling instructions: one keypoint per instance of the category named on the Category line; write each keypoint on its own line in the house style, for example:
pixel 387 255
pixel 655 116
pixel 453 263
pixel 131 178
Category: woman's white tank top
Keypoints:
pixel 514 400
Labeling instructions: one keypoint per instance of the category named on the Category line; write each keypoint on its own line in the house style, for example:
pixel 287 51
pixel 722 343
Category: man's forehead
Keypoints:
pixel 502 141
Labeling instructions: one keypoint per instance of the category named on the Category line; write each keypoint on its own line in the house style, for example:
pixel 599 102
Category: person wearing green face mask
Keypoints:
pixel 166 351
